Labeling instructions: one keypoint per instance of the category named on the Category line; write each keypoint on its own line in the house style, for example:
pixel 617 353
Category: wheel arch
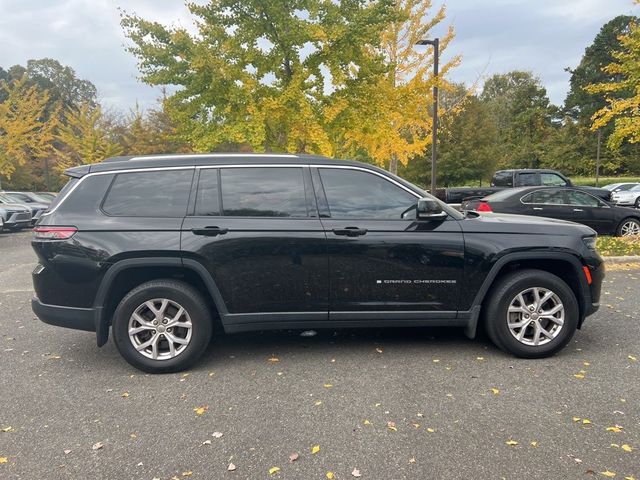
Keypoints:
pixel 125 275
pixel 565 266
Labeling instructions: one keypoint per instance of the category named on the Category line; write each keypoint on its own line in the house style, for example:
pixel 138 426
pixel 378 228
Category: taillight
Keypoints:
pixel 484 207
pixel 54 233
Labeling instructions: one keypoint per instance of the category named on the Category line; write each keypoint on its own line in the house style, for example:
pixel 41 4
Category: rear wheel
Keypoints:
pixel 531 314
pixel 628 227
pixel 162 326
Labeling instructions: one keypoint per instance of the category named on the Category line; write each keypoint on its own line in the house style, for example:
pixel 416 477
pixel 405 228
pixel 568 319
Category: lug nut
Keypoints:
pixel 155 322
pixel 165 321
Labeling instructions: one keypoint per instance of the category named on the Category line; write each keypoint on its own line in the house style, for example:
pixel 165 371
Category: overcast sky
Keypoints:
pixel 493 36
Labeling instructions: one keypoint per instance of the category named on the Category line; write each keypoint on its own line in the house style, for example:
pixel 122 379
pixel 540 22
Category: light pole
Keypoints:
pixel 434 143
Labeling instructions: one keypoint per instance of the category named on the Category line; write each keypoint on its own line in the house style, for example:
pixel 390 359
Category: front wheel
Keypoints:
pixel 628 227
pixel 162 326
pixel 531 314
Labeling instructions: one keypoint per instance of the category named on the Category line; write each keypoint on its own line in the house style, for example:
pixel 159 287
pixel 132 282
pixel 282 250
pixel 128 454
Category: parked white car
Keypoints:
pixel 629 197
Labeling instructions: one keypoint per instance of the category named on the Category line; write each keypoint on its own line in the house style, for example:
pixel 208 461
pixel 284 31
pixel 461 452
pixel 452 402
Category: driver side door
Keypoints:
pixel 382 261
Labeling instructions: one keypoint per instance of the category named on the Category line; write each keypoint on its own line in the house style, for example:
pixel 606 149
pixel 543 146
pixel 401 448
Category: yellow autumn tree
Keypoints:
pixel 85 137
pixel 25 134
pixel 622 94
pixel 392 120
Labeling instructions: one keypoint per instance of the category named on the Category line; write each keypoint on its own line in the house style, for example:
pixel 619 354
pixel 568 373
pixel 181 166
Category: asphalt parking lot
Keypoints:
pixel 391 404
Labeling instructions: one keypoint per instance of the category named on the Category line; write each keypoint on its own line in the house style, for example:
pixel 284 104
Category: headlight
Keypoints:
pixel 590 242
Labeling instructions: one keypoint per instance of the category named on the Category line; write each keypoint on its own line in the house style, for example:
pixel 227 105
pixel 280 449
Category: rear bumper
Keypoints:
pixel 68 317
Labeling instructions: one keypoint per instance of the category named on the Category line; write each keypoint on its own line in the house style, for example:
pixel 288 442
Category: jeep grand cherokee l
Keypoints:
pixel 157 248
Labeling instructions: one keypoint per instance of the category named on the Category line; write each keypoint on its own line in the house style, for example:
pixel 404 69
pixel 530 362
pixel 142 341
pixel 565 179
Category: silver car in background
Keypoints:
pixel 13 216
pixel 629 197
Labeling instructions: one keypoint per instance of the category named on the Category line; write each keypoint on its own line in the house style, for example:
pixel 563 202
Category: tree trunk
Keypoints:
pixel 393 165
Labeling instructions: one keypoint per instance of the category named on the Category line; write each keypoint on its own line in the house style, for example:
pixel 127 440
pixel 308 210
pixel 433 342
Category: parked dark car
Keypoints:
pixel 13 215
pixel 29 200
pixel 158 248
pixel 564 204
pixel 517 178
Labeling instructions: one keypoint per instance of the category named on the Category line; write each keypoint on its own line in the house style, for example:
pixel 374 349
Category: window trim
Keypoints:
pixel 366 170
pixel 601 203
pixel 135 170
pixel 305 187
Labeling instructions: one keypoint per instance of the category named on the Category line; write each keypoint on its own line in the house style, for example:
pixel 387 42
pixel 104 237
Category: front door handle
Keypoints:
pixel 578 210
pixel 538 208
pixel 209 231
pixel 350 231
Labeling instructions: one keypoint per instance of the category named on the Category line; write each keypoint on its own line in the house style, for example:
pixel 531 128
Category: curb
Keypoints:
pixel 625 259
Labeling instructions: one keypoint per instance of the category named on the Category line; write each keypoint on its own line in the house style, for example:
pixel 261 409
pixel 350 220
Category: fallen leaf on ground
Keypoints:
pixel 431 430
pixel 133 435
pixel 495 391
pixel 392 426
pixel 586 364
pixel 416 425
pixel 217 434
pixel 201 410
pixel 231 467
pixel 315 449
pixel 67 452
pixel 480 358
pixel 412 460
pixel 534 444
pixel 6 429
pixel 206 442
pixel 125 394
pixel 579 376
pixel 58 357
pixel 615 429
pixel 211 374
pixel 294 456
pixel 188 473
pixel 327 385
pixel 356 473
pixel 330 475
pixel 607 473
pixel 4 459
pixel 97 446
pixel 576 419
pixel 511 442
pixel 379 350
pixel 632 358
pixel 274 470
pixel 436 360
pixel 586 421
pixel 273 359
pixel 626 448
pixel 318 402
pixel 366 422
pixel 421 415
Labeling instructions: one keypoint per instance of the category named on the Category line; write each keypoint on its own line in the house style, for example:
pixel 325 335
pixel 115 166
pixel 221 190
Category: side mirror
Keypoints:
pixel 429 209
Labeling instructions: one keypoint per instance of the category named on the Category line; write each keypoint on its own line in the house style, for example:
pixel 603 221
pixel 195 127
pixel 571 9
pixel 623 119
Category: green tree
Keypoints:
pixel 520 108
pixel 262 73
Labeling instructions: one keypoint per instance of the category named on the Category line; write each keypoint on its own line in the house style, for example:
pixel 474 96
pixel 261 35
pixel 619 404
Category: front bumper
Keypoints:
pixel 68 317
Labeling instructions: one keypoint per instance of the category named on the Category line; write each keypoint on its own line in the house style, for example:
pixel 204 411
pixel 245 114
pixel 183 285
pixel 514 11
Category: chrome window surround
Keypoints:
pixel 202 167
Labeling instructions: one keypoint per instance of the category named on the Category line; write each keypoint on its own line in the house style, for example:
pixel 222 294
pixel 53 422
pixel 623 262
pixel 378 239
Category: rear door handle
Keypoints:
pixel 350 231
pixel 578 210
pixel 538 208
pixel 209 231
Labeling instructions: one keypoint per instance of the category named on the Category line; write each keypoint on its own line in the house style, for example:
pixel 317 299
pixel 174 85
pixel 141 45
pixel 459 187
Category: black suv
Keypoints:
pixel 160 247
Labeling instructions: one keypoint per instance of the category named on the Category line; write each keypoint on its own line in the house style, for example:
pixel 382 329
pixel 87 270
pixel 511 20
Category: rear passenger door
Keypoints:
pixel 256 230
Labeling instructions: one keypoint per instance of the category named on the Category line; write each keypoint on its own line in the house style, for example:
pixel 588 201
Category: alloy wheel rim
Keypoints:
pixel 630 228
pixel 160 329
pixel 535 316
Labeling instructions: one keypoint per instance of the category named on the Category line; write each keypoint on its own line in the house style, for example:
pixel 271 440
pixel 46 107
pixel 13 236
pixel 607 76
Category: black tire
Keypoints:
pixel 624 222
pixel 506 290
pixel 184 295
pixel 637 204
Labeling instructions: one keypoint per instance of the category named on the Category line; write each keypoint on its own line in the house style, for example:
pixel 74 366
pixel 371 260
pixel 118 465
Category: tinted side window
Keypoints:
pixel 263 192
pixel 552 179
pixel 502 179
pixel 582 199
pixel 149 194
pixel 527 179
pixel 358 194
pixel 207 199
pixel 547 197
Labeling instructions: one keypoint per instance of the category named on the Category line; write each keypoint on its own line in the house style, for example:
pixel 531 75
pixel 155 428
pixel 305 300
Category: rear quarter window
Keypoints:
pixel 149 194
